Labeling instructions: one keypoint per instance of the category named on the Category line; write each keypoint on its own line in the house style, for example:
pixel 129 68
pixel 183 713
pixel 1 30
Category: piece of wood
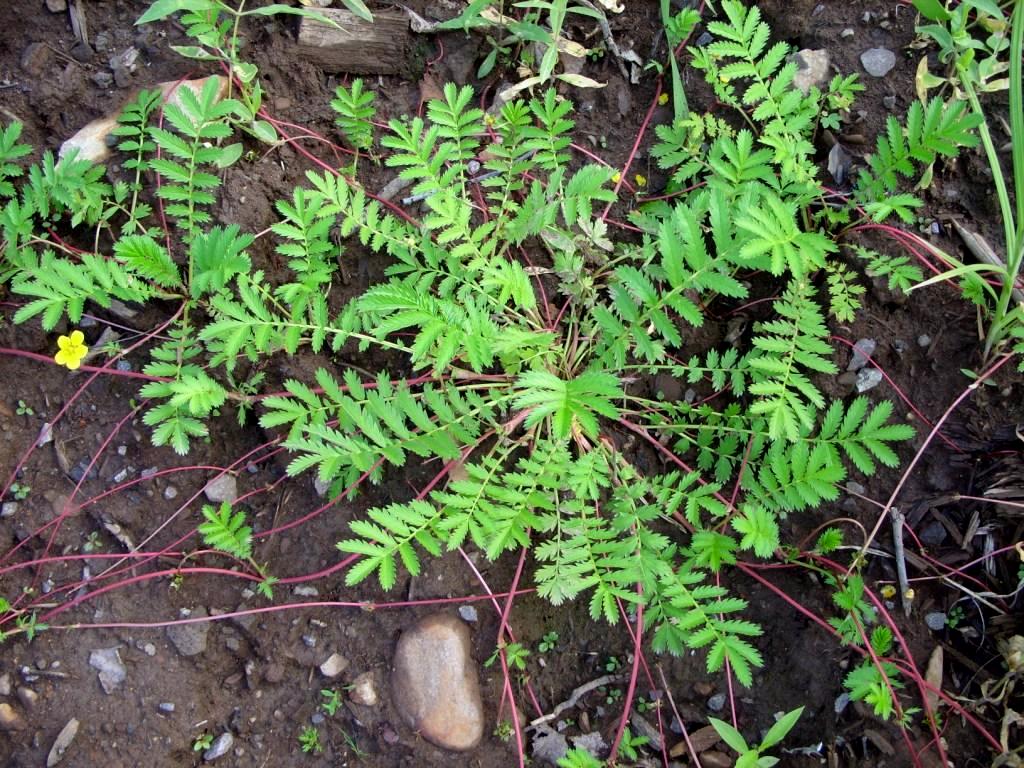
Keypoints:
pixel 380 47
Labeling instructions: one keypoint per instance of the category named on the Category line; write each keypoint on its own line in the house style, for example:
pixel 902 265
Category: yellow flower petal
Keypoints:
pixel 73 364
pixel 663 99
pixel 63 342
pixel 77 337
pixel 61 357
pixel 616 177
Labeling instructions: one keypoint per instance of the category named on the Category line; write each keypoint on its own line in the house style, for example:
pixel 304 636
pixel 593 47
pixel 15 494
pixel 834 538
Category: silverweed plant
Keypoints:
pixel 523 333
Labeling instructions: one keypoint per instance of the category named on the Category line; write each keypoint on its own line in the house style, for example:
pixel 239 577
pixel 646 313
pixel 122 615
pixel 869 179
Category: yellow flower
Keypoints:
pixel 70 350
pixel 616 177
pixel 663 99
pixel 888 591
pixel 641 181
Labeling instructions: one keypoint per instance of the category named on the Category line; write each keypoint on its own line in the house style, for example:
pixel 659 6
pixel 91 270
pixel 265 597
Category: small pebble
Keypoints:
pixel 149 649
pixel 334 666
pixel 222 488
pixel 842 702
pixel 848 32
pixel 28 697
pixel 8 509
pixel 309 641
pixel 170 492
pixel 936 620
pixel 878 62
pixel 705 39
pixel 220 747
pixel 306 591
pixel 317 718
pixel 468 613
pixel 148 472
pixel 122 450
pixel 717 702
pixel 862 350
pixel 123 365
pixel 166 706
pixel 924 340
pixel 868 378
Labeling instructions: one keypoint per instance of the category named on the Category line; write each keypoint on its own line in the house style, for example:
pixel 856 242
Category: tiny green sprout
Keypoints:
pixel 503 730
pixel 548 643
pixel 613 665
pixel 331 702
pixel 612 696
pixel 309 740
pixel 955 616
pixel 24 409
pixel 515 655
pixel 20 491
pixel 202 742
pixel 92 543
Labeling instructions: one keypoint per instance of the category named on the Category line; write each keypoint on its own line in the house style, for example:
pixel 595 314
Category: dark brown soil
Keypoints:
pixel 258 677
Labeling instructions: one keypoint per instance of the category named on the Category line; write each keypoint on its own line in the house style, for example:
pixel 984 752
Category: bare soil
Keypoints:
pixel 258 676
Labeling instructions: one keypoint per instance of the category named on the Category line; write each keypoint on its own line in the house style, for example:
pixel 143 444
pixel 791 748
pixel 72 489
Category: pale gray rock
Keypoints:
pixel 220 747
pixel 222 488
pixel 112 672
pixel 813 69
pixel 334 666
pixel 434 683
pixel 190 639
pixel 868 378
pixel 878 62
pixel 62 742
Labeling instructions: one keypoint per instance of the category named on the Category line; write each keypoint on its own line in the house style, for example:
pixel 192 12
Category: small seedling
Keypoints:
pixel 309 740
pixel 613 665
pixel 955 616
pixel 20 491
pixel 92 543
pixel 749 756
pixel 504 730
pixel 515 655
pixel 24 409
pixel 331 702
pixel 202 742
pixel 548 643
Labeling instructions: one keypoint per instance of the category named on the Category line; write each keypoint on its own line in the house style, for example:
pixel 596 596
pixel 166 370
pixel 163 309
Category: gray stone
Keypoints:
pixel 334 666
pixel 103 79
pixel 306 590
pixel 717 702
pixel 549 745
pixel 170 492
pixel 468 613
pixel 222 488
pixel 220 747
pixel 878 62
pixel 5 684
pixel 190 639
pixel 166 706
pixel 56 6
pixel 434 683
pixel 321 486
pixel 868 378
pixel 924 340
pixel 149 649
pixel 28 697
pixel 592 742
pixel 62 742
pixel 813 69
pixel 936 620
pixel 847 32
pixel 8 509
pixel 862 350
pixel 111 669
